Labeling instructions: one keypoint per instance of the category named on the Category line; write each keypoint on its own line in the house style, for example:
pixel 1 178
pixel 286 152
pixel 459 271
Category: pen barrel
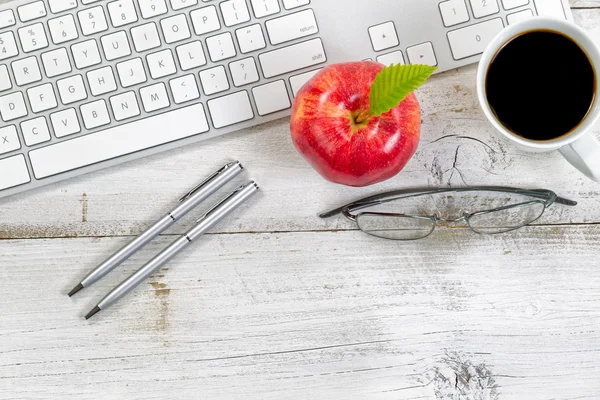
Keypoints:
pixel 207 188
pixel 222 210
pixel 140 275
pixel 128 250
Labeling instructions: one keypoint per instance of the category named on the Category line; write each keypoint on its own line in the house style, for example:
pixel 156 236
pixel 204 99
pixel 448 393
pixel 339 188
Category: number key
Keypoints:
pixel 152 8
pixel 483 8
pixel 62 29
pixel 454 12
pixel 33 37
pixel 92 20
pixel 122 12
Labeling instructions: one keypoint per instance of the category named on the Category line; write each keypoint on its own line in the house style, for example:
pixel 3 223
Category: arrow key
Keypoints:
pixel 184 89
pixel 422 54
pixel 383 36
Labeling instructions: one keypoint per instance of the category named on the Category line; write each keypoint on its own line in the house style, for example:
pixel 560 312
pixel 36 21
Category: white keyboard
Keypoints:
pixel 85 84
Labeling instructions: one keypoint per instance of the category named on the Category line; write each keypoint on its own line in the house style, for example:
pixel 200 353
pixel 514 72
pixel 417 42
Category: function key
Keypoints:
pixel 454 12
pixel 7 18
pixel 57 6
pixel 32 11
pixel 383 36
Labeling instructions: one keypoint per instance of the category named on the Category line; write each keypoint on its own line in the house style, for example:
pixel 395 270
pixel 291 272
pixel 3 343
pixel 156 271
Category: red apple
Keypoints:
pixel 332 129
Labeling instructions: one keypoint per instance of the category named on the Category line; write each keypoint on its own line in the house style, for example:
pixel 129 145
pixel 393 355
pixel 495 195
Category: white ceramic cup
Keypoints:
pixel 580 146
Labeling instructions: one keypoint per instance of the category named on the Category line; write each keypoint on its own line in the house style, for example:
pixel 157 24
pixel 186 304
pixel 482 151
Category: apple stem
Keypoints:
pixel 362 117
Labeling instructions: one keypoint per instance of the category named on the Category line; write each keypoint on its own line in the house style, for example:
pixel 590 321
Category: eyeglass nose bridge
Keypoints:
pixel 464 217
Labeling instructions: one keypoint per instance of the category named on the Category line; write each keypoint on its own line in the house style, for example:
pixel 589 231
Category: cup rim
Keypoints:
pixel 563 27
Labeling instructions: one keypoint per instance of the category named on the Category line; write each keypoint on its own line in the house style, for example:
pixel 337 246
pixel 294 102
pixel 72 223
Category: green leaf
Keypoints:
pixel 394 83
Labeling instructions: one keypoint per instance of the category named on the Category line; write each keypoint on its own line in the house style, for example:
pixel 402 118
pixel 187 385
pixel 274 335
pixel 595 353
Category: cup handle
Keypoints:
pixel 584 154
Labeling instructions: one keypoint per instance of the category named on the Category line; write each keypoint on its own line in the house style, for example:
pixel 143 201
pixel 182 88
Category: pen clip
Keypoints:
pixel 226 199
pixel 204 182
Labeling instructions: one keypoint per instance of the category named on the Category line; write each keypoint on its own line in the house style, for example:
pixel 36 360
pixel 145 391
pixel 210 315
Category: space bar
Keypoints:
pixel 118 141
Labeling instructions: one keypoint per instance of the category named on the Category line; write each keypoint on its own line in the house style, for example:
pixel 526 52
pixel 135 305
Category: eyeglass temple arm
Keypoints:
pixel 375 199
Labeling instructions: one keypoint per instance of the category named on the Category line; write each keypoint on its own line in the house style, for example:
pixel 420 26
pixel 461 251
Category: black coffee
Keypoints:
pixel 540 85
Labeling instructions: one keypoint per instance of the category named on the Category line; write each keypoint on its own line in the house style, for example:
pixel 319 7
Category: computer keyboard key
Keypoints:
pixel 214 80
pixel 117 141
pixel 292 58
pixel 191 55
pixel 550 8
pixel 220 47
pixel 454 12
pixel 122 12
pixel 89 1
pixel 179 4
pixel 115 45
pixel 292 26
pixel 12 106
pixel 8 46
pixel 63 29
pixel 101 81
pixel 519 16
pixel 94 114
pixel 234 12
pixel 271 98
pixel 297 81
pixel 395 57
pixel 184 89
pixel 231 109
pixel 124 106
pixel 26 71
pixel 71 89
pixel 152 8
pixel 18 172
pixel 32 11
pixel 422 54
pixel 175 28
pixel 33 37
pixel 250 38
pixel 161 64
pixel 57 6
pixel 9 139
pixel 92 20
pixel 65 123
pixel 131 72
pixel 154 97
pixel 42 98
pixel 483 8
pixel 263 8
pixel 35 131
pixel 145 37
pixel 86 54
pixel 205 20
pixel 56 62
pixel 290 4
pixel 383 36
pixel 4 78
pixel 244 72
pixel 510 4
pixel 7 18
pixel 473 40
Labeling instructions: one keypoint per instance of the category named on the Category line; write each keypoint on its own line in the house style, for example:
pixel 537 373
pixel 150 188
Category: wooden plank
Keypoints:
pixel 331 315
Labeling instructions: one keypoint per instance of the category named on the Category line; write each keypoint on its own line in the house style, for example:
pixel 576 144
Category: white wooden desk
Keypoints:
pixel 277 304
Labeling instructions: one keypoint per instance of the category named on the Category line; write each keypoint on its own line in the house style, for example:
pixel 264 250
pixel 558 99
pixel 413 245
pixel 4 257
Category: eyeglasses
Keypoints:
pixel 485 210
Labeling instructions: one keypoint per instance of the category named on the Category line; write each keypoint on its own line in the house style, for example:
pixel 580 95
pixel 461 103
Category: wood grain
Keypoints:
pixel 278 304
pixel 325 315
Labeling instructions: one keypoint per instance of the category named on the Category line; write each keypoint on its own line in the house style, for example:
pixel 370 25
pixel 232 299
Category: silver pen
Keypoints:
pixel 188 202
pixel 217 213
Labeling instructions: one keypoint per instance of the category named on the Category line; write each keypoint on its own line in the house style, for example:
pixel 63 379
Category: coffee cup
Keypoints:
pixel 578 144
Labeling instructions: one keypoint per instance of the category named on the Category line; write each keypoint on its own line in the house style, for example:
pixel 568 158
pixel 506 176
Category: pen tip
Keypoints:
pixel 75 289
pixel 93 312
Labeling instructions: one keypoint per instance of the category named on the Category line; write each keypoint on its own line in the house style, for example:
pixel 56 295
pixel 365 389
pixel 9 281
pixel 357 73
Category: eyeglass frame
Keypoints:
pixel 544 196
